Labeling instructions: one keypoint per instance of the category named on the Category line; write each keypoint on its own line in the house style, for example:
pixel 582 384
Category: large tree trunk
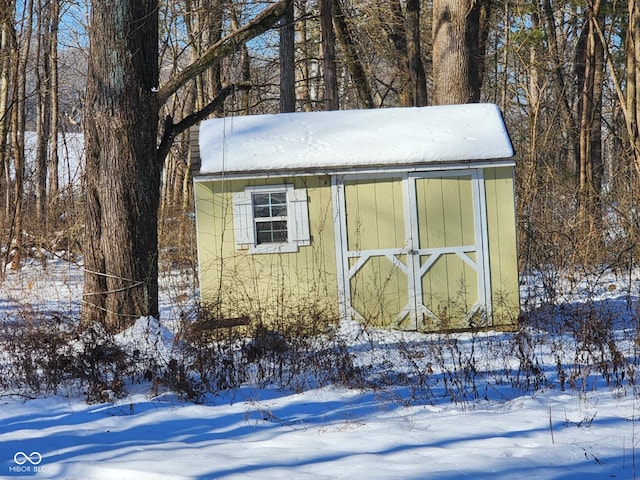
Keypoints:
pixel 457 50
pixel 122 172
pixel 123 160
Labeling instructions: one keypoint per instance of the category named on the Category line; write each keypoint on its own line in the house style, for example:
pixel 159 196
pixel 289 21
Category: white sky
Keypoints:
pixel 353 138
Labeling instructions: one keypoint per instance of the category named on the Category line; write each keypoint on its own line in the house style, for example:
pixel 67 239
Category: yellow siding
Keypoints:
pixel 502 245
pixel 273 287
pixel 276 287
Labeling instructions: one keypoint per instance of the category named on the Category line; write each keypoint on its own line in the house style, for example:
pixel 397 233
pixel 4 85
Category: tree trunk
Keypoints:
pixel 633 72
pixel 414 53
pixel 245 63
pixel 122 172
pixel 54 183
pixel 559 85
pixel 123 160
pixel 328 56
pixel 591 76
pixel 7 52
pixel 457 51
pixel 287 62
pixel 303 72
pixel 43 108
pixel 354 64
pixel 17 128
pixel 394 28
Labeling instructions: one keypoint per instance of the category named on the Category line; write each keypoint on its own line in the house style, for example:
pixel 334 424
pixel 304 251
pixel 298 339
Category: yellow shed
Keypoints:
pixel 398 217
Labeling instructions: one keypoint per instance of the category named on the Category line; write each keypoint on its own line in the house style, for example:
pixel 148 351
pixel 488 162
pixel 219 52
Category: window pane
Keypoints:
pixel 278 198
pixel 271 232
pixel 261 207
pixel 261 211
pixel 279 231
pixel 263 233
pixel 279 211
pixel 261 199
pixel 267 205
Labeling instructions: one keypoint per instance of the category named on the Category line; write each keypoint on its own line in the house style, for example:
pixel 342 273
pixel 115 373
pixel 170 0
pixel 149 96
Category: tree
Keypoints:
pixel 46 107
pixel 331 101
pixel 590 77
pixel 124 161
pixel 122 172
pixel 352 58
pixel 414 54
pixel 7 53
pixel 287 62
pixel 458 49
pixel 392 22
pixel 17 130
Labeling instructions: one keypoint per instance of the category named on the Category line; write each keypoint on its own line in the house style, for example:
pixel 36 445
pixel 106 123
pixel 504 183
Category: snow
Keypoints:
pixel 321 433
pixel 327 433
pixel 353 138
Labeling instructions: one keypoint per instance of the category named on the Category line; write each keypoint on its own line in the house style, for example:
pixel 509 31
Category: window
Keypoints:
pixel 270 215
pixel 271 219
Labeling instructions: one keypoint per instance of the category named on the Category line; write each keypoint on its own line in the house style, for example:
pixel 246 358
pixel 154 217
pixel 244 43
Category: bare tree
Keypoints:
pixel 17 131
pixel 393 24
pixel 590 77
pixel 44 93
pixel 123 159
pixel 7 53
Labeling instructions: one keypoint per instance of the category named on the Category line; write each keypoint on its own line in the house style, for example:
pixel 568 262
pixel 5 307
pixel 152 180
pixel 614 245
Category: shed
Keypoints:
pixel 398 217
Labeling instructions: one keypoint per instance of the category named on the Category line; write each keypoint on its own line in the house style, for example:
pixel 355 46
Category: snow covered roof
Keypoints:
pixel 336 140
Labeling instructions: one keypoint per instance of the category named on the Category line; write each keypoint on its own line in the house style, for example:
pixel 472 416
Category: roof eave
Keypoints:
pixel 357 170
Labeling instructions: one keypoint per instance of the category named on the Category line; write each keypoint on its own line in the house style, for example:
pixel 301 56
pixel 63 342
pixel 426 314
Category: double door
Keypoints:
pixel 412 250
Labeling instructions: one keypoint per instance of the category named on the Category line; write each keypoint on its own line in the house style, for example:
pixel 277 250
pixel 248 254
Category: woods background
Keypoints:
pixel 566 75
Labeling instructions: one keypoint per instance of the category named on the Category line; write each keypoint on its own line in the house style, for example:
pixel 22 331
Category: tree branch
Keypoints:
pixel 172 130
pixel 225 46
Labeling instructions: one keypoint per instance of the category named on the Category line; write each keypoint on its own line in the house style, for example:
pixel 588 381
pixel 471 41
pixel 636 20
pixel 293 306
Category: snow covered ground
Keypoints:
pixel 588 432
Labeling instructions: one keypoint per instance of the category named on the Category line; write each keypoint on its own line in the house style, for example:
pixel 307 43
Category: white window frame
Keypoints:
pixel 297 220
